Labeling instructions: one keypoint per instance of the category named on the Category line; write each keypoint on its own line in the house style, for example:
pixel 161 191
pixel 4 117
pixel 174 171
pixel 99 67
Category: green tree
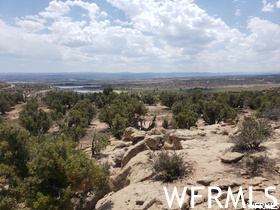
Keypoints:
pixel 65 172
pixel 119 125
pixel 86 109
pixel 177 107
pixel 107 91
pixel 211 112
pixel 45 172
pixel 216 112
pixel 14 152
pixel 33 119
pixel 149 98
pixel 168 98
pixel 4 105
pixel 186 120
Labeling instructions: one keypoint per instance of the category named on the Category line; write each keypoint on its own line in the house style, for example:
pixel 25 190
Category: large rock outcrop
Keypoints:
pixel 133 151
pixel 138 169
pixel 144 195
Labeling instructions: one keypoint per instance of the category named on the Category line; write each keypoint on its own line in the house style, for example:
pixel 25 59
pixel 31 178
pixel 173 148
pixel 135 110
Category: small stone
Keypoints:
pixel 206 181
pixel 202 134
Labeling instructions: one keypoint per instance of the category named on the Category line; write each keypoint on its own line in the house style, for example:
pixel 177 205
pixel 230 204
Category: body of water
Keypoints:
pixel 81 88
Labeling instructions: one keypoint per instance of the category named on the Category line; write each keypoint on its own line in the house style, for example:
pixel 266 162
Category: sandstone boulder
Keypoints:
pixel 173 142
pixel 128 132
pixel 138 169
pixel 232 157
pixel 137 136
pixel 154 131
pixel 154 141
pixel 122 145
pixel 118 156
pixel 133 151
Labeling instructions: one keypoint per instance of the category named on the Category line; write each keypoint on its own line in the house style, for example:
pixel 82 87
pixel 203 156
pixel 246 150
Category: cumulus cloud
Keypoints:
pixel 55 10
pixel 267 7
pixel 15 42
pixel 177 23
pixel 265 35
pixel 168 35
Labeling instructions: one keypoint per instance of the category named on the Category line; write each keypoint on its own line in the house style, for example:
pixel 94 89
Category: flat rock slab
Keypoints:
pixel 232 157
pixel 206 181
pixel 225 183
pixel 256 181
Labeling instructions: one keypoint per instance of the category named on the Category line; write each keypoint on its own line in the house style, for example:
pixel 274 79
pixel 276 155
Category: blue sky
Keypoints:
pixel 140 36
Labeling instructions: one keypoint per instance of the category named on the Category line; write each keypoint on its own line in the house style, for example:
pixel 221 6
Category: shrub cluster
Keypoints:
pixel 252 133
pixel 170 166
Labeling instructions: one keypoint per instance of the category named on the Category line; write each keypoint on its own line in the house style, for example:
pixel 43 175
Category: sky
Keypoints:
pixel 41 36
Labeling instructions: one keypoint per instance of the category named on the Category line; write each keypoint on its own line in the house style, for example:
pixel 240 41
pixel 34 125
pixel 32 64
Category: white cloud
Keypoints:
pixel 92 8
pixel 166 35
pixel 29 25
pixel 177 23
pixel 55 10
pixel 15 42
pixel 123 23
pixel 278 4
pixel 237 12
pixel 267 7
pixel 265 35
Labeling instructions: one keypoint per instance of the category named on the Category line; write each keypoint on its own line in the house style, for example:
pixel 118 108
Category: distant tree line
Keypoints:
pixel 217 107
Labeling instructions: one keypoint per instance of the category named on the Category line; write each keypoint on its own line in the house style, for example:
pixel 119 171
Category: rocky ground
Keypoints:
pixel 206 147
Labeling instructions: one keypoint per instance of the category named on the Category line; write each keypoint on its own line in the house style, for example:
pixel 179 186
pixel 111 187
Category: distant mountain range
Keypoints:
pixel 93 76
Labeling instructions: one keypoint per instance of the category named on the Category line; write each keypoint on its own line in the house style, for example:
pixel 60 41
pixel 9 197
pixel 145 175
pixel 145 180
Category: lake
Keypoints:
pixel 81 88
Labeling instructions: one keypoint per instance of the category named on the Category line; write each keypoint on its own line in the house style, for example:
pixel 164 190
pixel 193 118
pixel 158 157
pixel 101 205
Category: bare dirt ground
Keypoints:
pixel 13 115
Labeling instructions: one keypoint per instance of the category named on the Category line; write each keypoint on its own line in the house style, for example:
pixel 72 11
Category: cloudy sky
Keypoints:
pixel 140 36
